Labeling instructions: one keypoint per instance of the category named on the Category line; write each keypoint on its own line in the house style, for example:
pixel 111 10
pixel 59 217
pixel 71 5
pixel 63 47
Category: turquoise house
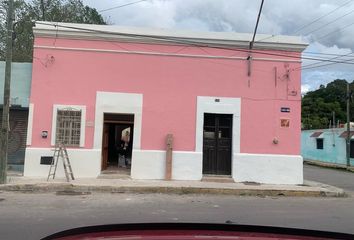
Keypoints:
pixel 19 99
pixel 326 145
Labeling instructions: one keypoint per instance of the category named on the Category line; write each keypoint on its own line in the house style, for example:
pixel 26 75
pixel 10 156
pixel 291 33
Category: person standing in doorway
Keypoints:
pixel 123 149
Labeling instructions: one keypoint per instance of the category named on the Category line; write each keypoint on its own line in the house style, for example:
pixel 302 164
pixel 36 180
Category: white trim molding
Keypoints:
pixel 165 36
pixel 57 107
pixel 120 103
pixel 268 168
pixel 30 124
pixel 218 105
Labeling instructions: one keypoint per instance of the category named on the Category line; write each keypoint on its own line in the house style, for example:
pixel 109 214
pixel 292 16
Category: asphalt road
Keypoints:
pixel 33 216
pixel 339 178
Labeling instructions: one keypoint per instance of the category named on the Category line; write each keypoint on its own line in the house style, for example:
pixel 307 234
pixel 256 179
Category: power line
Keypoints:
pixel 330 33
pixel 188 42
pixel 120 6
pixel 326 24
pixel 323 65
pixel 312 22
pixel 327 54
pixel 345 55
pixel 325 15
pixel 308 66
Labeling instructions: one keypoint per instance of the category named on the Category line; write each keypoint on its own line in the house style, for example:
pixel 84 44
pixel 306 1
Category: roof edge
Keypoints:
pixel 155 35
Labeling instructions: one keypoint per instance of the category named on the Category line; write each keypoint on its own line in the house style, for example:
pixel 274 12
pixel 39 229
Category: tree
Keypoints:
pixel 41 10
pixel 319 105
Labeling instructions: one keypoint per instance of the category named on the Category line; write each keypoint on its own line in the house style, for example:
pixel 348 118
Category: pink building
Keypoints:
pixel 109 91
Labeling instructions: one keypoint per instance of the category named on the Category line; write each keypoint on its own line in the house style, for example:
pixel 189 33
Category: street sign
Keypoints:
pixel 285 109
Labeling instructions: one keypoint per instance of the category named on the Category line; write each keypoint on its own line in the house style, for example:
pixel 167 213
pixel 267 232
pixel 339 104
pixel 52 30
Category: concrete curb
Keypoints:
pixel 71 189
pixel 328 165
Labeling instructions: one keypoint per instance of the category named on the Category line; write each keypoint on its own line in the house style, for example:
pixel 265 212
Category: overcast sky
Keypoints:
pixel 331 34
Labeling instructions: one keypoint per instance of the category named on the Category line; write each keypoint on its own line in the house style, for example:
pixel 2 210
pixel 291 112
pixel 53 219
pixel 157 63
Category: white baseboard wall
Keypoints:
pixel 267 168
pixel 84 162
pixel 186 165
pixel 151 164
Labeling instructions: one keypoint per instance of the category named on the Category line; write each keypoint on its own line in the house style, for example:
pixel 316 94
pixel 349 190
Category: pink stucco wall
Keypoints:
pixel 169 86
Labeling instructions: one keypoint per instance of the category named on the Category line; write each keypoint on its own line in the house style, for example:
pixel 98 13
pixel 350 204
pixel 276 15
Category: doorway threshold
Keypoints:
pixel 218 178
pixel 115 173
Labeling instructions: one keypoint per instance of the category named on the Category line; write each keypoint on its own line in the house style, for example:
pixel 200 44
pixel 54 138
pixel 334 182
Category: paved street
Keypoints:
pixel 339 178
pixel 32 216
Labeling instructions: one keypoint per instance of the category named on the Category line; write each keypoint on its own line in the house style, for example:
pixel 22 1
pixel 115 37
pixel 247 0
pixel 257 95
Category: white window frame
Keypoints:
pixel 57 107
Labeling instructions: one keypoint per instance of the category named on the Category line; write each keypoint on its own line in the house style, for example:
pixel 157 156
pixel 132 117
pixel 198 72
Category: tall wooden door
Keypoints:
pixel 105 146
pixel 217 142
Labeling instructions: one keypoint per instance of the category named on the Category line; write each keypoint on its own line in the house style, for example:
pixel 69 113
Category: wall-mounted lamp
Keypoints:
pixel 275 141
pixel 44 134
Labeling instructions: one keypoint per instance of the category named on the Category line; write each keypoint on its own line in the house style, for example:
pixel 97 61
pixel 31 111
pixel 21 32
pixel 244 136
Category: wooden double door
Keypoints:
pixel 217 144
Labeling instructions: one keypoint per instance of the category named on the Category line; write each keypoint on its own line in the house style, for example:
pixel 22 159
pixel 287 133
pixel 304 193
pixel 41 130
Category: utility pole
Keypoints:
pixel 348 125
pixel 6 104
pixel 249 58
pixel 43 10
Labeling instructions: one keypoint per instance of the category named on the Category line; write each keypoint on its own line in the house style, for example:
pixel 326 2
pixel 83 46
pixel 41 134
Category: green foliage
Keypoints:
pixel 319 105
pixel 41 10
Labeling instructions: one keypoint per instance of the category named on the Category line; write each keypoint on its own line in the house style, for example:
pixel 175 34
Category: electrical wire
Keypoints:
pixel 312 22
pixel 346 60
pixel 330 33
pixel 326 24
pixel 323 65
pixel 191 43
pixel 120 6
pixel 325 15
pixel 327 54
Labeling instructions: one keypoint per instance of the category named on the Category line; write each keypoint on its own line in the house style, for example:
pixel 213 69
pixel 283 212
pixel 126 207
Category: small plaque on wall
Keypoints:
pixel 284 122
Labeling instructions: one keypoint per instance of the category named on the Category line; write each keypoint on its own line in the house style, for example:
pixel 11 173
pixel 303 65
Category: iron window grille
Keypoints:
pixel 68 129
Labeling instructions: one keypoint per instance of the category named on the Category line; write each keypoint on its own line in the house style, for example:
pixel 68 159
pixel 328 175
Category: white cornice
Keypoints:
pixel 150 35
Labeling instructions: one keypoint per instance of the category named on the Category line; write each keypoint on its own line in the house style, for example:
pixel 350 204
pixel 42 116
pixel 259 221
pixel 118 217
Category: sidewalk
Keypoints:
pixel 88 185
pixel 328 165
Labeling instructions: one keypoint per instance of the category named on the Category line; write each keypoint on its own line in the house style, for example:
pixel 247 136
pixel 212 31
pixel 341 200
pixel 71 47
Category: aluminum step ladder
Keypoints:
pixel 60 152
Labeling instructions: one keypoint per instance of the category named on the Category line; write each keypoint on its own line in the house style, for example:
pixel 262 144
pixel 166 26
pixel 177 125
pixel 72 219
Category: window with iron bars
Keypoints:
pixel 68 130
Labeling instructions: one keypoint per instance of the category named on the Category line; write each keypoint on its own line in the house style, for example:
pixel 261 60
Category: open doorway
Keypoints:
pixel 117 143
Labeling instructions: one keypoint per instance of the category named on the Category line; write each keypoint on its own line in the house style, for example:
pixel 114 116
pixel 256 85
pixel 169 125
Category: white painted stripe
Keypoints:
pixel 30 124
pixel 165 54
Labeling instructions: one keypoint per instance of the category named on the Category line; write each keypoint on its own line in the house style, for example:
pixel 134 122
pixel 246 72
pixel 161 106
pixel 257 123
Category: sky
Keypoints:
pixel 327 25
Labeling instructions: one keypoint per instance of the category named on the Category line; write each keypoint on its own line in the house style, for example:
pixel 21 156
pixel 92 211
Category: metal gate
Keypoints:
pixel 17 136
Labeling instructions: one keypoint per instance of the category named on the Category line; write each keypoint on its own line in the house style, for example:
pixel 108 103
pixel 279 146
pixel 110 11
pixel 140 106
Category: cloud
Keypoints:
pixel 305 88
pixel 324 72
pixel 278 17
